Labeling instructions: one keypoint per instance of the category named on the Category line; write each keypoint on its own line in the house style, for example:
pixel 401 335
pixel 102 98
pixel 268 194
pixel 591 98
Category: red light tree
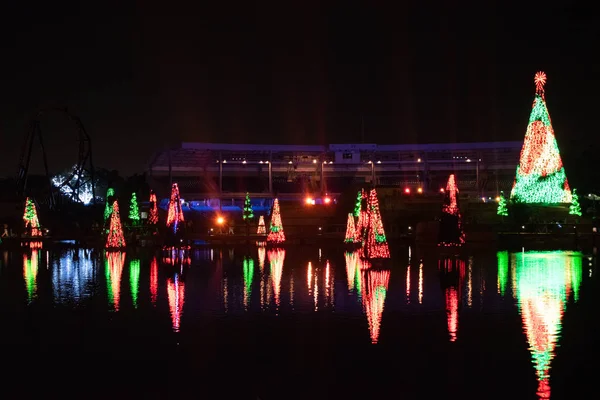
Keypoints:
pixel 375 244
pixel 350 230
pixel 175 213
pixel 115 239
pixel 451 233
pixel 276 234
pixel 153 213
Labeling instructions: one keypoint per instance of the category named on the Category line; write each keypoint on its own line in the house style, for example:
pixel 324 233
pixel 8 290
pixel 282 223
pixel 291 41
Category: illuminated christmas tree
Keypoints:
pixel 350 230
pixel 115 239
pixel 31 218
pixel 134 210
pixel 540 175
pixel 358 205
pixel 262 230
pixel 375 243
pixel 153 213
pixel 362 221
pixel 451 233
pixel 175 213
pixel 502 209
pixel 575 208
pixel 110 198
pixel 248 213
pixel 110 194
pixel 276 234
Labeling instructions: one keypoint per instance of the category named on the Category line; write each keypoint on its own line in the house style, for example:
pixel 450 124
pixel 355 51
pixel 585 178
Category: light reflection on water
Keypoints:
pixel 73 275
pixel 276 282
pixel 176 296
pixel 30 272
pixel 545 282
pixel 115 261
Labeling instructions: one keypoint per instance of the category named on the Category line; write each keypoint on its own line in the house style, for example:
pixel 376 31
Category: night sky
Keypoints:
pixel 144 76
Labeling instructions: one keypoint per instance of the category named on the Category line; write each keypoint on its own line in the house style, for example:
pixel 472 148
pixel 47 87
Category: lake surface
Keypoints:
pixel 304 322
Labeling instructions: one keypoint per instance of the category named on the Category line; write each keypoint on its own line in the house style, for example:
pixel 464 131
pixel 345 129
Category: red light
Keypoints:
pixel 407 190
pixel 442 190
pixel 327 200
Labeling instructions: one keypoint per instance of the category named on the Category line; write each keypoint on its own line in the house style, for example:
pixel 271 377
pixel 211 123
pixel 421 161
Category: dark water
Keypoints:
pixel 302 322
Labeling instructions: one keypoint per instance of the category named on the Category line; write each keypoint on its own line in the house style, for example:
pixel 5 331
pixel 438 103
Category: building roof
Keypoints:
pixel 346 147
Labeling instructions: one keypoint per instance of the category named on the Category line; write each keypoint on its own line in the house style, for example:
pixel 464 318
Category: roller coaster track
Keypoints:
pixel 81 174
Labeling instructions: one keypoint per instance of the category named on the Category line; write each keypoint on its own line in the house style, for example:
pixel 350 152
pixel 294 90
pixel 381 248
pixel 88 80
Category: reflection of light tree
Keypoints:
pixel 115 260
pixel 30 271
pixel 544 282
pixel 374 286
pixel 134 280
pixel 328 284
pixel 352 260
pixel 276 258
pixel 452 312
pixel 153 280
pixel 176 295
pixel 261 257
pixel 502 271
pixel 248 266
pixel 454 272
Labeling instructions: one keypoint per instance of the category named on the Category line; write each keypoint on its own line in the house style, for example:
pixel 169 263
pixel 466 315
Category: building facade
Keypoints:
pixel 209 170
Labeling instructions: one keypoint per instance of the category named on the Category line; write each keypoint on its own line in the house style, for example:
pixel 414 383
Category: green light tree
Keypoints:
pixel 358 205
pixel 502 209
pixel 575 208
pixel 134 210
pixel 110 198
pixel 248 212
